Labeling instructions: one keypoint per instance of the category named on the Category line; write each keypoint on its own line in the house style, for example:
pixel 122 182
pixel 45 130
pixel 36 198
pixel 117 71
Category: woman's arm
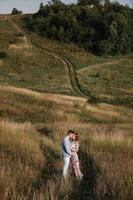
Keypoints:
pixel 73 147
pixel 77 147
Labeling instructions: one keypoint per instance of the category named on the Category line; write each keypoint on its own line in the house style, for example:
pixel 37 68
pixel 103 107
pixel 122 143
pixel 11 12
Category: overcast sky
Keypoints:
pixel 31 6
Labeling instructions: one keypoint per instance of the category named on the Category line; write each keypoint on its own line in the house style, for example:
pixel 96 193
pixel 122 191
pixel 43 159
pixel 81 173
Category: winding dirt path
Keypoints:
pixel 72 72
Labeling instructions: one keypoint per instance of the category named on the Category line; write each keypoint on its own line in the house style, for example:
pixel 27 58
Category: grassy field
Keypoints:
pixel 32 123
pixel 25 66
pixel 22 105
pixel 31 127
pixel 112 80
pixel 108 78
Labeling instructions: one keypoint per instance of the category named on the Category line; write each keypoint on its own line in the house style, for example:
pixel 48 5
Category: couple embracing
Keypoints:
pixel 70 147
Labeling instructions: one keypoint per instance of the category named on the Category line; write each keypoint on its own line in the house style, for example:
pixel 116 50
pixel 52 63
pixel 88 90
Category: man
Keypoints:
pixel 66 151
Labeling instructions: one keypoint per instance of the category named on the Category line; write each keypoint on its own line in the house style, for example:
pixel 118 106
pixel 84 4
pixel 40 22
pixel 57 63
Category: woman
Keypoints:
pixel 74 160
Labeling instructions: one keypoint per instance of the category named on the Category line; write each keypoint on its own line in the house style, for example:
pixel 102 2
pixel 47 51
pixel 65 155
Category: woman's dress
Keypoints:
pixel 74 160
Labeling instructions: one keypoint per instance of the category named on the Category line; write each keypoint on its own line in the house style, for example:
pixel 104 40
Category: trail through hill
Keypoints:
pixel 68 65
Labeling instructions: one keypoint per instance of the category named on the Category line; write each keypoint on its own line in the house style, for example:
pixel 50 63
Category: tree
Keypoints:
pixel 52 2
pixel 100 30
pixel 107 2
pixel 41 6
pixel 61 34
pixel 104 47
pixel 54 31
pixel 16 11
pixel 113 35
pixel 88 2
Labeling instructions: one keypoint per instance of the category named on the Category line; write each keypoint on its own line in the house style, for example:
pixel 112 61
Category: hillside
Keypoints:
pixel 25 65
pixel 48 87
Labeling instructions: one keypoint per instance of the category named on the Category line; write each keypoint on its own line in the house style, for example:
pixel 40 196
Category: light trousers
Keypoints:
pixel 66 161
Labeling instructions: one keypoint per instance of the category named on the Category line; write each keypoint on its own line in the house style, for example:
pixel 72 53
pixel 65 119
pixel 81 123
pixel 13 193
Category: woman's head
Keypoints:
pixel 77 138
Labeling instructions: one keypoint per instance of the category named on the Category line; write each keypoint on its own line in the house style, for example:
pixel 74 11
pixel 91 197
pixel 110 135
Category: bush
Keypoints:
pixel 20 34
pixel 3 54
pixel 45 131
pixel 93 99
pixel 104 47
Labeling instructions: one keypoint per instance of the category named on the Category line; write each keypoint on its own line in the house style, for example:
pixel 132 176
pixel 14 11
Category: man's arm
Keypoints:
pixel 67 146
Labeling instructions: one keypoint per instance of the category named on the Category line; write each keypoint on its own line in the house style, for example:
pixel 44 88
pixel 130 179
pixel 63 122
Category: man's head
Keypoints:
pixel 71 134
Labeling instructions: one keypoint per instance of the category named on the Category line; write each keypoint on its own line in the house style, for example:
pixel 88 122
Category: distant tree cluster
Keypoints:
pixel 16 11
pixel 99 26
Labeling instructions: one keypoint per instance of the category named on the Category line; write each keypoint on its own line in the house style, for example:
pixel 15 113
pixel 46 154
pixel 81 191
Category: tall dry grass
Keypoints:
pixel 31 164
pixel 21 159
pixel 112 152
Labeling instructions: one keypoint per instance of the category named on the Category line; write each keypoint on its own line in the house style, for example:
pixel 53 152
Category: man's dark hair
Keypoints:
pixel 70 131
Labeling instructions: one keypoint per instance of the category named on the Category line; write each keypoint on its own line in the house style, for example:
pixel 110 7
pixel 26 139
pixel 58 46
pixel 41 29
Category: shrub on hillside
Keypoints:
pixel 3 54
pixel 45 131
pixel 93 99
pixel 104 47
pixel 20 34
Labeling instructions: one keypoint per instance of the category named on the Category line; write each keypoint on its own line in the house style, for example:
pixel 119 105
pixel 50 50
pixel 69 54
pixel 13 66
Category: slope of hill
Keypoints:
pixel 27 66
pixel 44 88
pixel 111 81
